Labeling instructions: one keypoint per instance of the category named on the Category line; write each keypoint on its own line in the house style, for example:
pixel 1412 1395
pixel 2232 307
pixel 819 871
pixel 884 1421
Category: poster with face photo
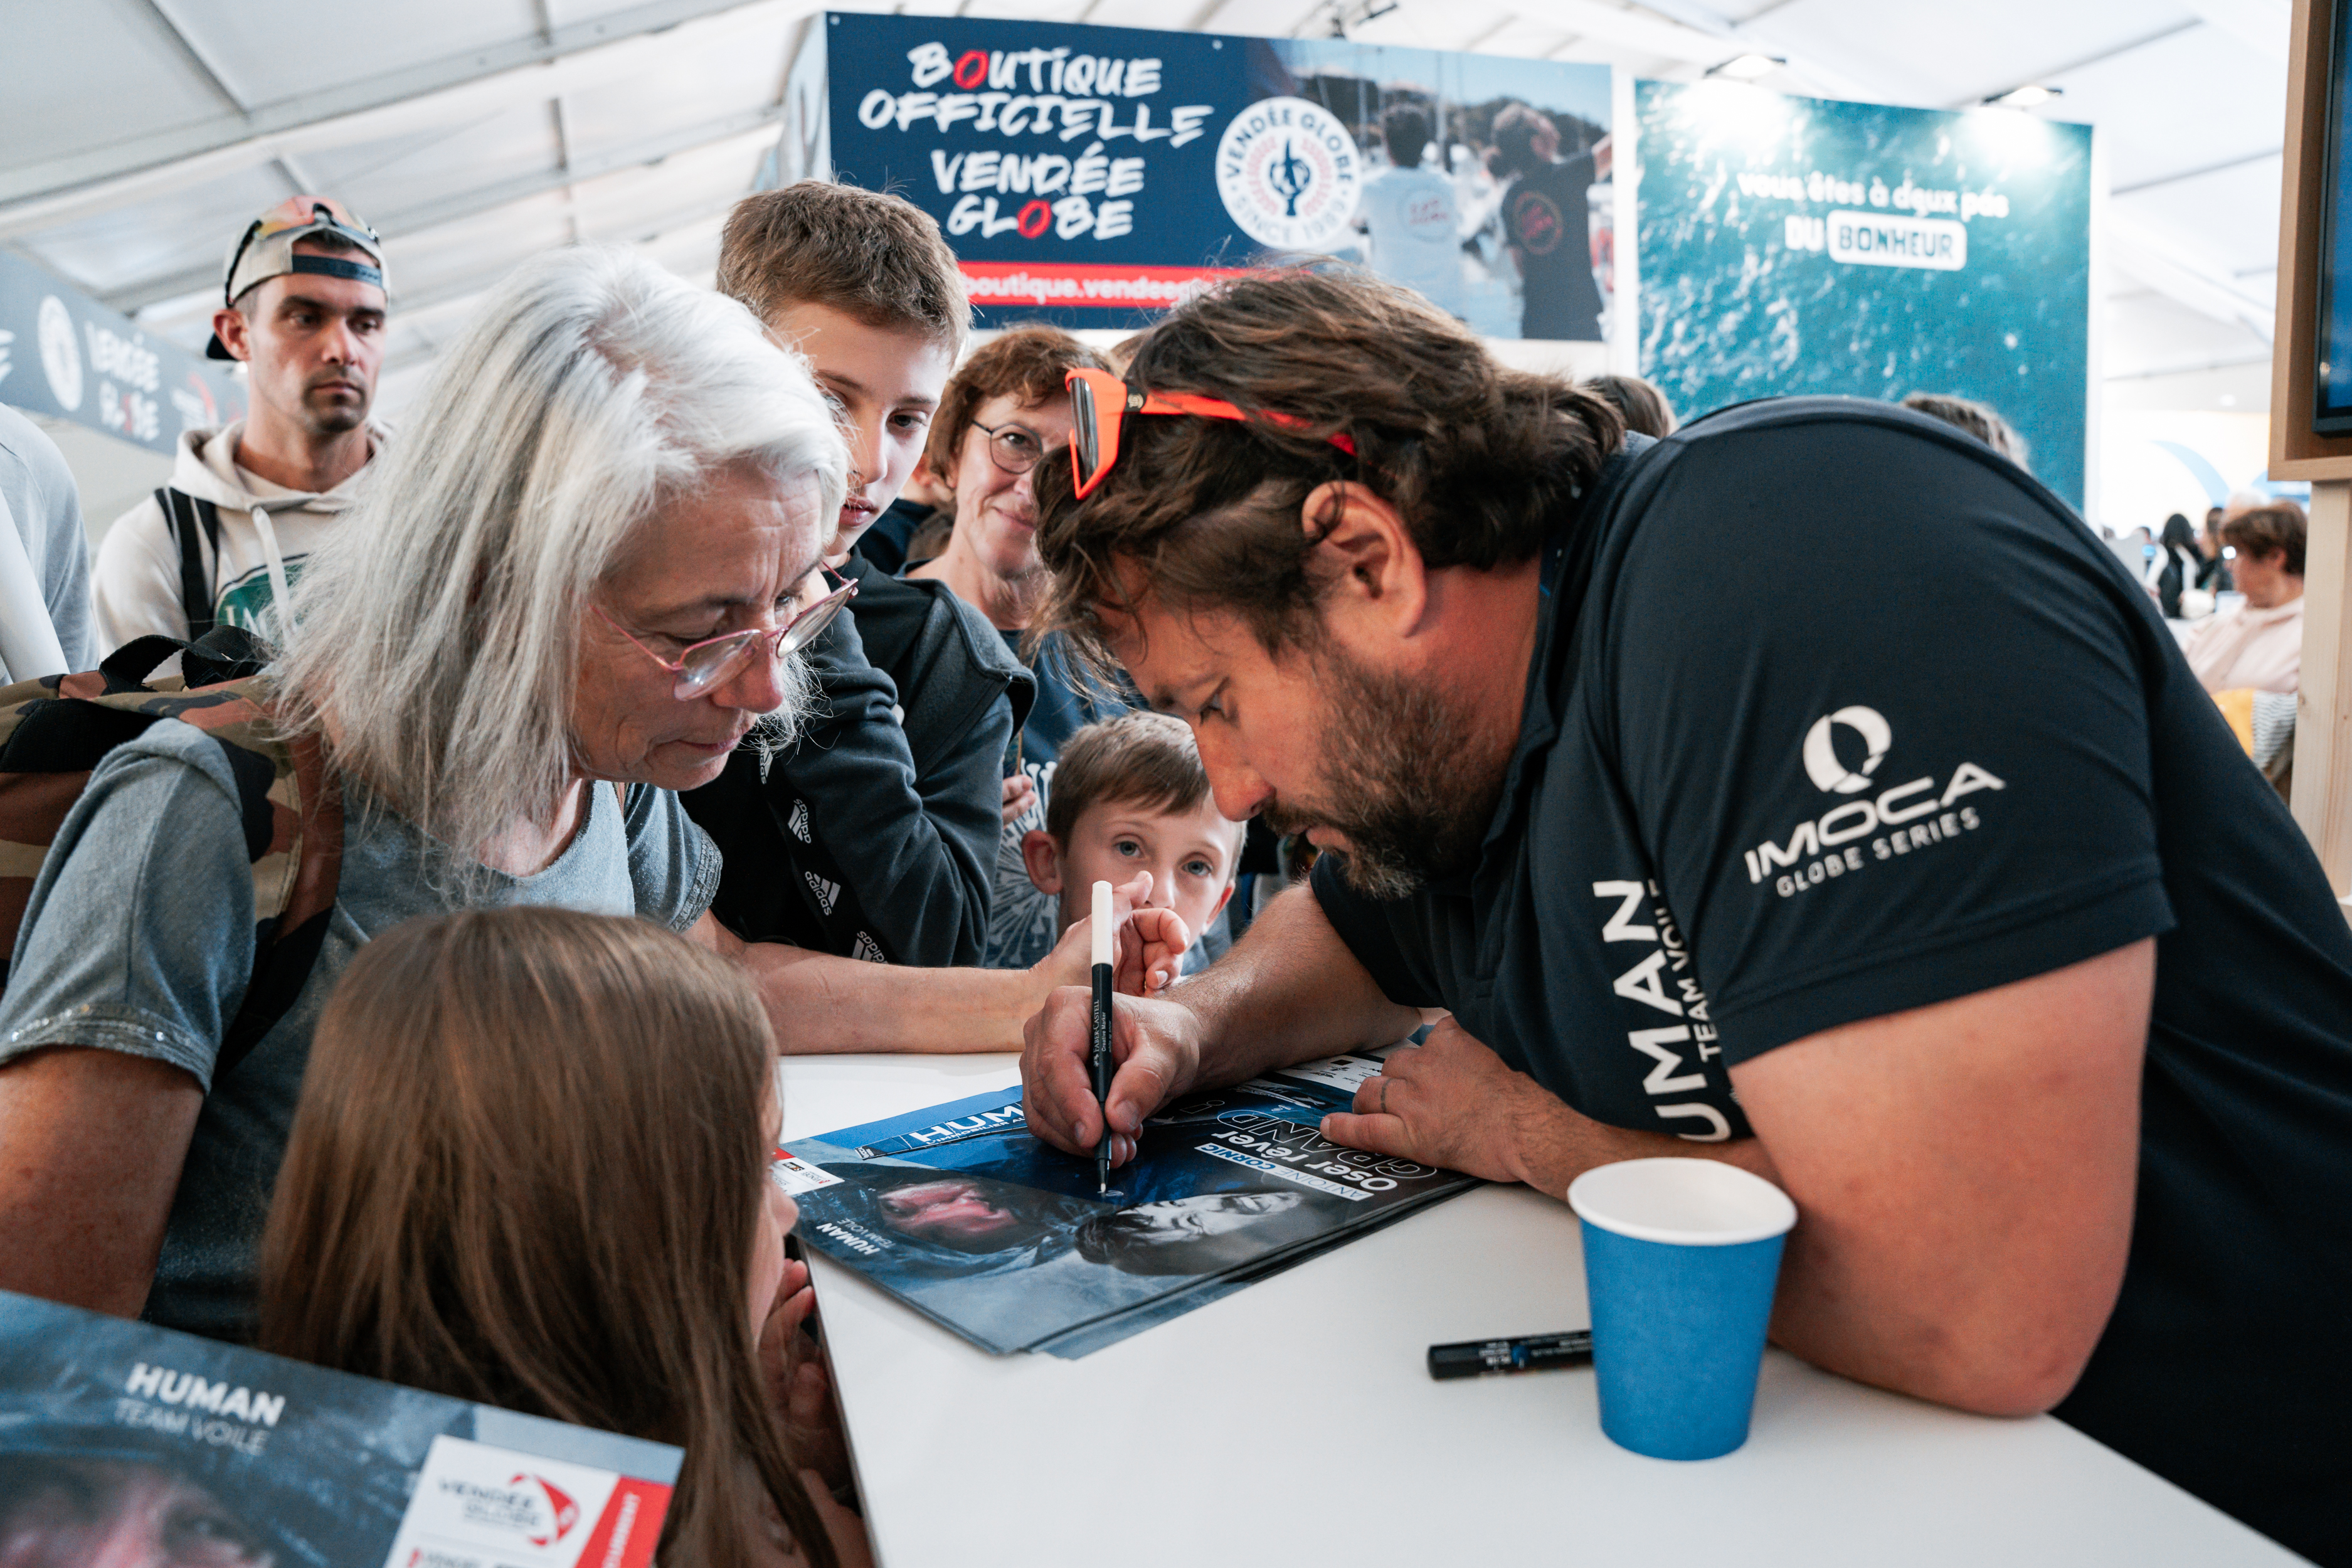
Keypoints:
pixel 961 1213
pixel 121 1442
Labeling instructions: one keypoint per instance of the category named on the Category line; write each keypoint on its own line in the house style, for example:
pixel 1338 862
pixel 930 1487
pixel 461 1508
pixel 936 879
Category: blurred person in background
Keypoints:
pixel 1979 419
pixel 37 496
pixel 1411 217
pixel 2180 564
pixel 1547 222
pixel 303 308
pixel 2217 575
pixel 2259 645
pixel 1645 407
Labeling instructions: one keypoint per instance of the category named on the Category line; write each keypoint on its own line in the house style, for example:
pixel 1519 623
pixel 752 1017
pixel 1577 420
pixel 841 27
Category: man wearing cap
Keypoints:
pixel 303 305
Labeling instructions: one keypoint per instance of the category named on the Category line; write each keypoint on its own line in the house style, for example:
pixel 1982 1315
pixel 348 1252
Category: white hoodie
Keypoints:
pixel 265 532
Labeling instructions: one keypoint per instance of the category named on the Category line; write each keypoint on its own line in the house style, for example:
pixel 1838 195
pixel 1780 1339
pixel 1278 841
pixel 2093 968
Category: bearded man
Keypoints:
pixel 1809 789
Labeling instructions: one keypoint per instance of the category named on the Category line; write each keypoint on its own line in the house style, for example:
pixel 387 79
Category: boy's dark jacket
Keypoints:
pixel 873 837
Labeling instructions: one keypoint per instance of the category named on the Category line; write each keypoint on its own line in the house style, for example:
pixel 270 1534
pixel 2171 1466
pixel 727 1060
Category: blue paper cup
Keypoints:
pixel 1680 1257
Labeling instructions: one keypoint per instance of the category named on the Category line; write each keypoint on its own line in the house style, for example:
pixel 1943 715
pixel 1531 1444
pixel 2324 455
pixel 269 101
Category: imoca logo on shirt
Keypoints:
pixel 1820 749
pixel 1903 818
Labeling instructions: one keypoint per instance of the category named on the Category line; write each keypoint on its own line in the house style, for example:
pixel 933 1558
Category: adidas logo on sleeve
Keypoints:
pixel 826 892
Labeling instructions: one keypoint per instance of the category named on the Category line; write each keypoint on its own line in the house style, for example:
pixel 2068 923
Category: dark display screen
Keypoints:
pixel 2332 411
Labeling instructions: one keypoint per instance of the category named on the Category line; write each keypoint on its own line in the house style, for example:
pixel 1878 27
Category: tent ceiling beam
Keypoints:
pixel 484 199
pixel 2141 253
pixel 1672 40
pixel 194 58
pixel 457 295
pixel 2198 173
pixel 2262 25
pixel 1725 37
pixel 2055 74
pixel 623 44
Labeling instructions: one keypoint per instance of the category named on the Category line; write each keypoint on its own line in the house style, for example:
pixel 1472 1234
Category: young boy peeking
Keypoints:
pixel 1129 795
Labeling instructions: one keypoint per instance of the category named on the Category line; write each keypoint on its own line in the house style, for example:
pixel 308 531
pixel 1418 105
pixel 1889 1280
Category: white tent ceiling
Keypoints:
pixel 136 136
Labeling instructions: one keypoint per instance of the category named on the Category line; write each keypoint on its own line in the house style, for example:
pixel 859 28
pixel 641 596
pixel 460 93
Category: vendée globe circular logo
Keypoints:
pixel 1289 174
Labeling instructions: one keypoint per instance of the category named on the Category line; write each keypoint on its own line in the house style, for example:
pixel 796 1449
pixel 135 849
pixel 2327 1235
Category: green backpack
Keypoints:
pixel 56 729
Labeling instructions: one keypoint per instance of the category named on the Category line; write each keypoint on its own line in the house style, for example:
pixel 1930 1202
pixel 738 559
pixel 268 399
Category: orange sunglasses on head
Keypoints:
pixel 1099 401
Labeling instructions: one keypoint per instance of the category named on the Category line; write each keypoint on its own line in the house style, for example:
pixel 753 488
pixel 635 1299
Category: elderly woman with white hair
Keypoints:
pixel 565 600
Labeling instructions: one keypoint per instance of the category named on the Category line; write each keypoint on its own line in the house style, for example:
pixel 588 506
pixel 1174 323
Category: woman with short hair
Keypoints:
pixel 567 596
pixel 577 1220
pixel 1005 412
pixel 2259 644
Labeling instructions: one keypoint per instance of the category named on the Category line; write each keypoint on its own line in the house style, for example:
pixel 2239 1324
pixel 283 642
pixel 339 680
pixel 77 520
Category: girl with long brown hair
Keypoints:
pixel 530 1168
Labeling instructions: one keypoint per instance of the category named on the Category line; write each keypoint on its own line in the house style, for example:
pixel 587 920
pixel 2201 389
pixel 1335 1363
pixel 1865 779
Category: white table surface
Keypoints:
pixel 1294 1422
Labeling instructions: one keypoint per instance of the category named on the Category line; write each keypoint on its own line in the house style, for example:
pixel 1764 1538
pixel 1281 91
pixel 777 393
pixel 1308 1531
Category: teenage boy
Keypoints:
pixel 1907 865
pixel 303 306
pixel 873 837
pixel 1129 795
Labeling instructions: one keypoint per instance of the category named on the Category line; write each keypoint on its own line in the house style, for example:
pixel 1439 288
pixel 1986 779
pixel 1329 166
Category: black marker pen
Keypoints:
pixel 1100 1020
pixel 1533 1354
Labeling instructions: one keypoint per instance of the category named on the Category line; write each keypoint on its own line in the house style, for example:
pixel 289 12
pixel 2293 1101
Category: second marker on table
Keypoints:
pixel 1100 1020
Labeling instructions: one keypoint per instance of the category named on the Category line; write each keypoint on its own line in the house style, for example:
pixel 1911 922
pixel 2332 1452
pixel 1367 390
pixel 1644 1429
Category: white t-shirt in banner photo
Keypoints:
pixel 1415 218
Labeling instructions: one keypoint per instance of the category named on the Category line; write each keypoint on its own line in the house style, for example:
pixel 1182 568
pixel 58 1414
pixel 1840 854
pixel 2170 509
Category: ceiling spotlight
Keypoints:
pixel 2026 97
pixel 1748 68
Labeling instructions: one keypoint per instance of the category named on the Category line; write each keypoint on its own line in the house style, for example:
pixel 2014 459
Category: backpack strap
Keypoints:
pixel 298 877
pixel 226 654
pixel 293 810
pixel 186 516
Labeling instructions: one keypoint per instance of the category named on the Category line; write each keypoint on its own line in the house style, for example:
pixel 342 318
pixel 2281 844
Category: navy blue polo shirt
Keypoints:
pixel 1833 713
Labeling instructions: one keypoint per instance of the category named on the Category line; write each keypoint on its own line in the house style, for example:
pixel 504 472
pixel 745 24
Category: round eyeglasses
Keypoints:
pixel 703 664
pixel 1016 448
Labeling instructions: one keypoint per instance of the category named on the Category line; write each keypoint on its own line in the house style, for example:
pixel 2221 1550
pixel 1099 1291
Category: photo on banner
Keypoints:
pixel 1802 245
pixel 1092 176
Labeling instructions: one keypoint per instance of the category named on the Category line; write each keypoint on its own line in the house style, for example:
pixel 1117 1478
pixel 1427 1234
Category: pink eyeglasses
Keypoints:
pixel 703 664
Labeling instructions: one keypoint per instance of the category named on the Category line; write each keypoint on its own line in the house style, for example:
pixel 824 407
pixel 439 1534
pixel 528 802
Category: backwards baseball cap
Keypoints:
pixel 265 250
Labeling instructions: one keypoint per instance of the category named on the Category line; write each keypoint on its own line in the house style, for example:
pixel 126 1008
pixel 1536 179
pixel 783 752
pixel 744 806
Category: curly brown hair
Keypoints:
pixel 1480 459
